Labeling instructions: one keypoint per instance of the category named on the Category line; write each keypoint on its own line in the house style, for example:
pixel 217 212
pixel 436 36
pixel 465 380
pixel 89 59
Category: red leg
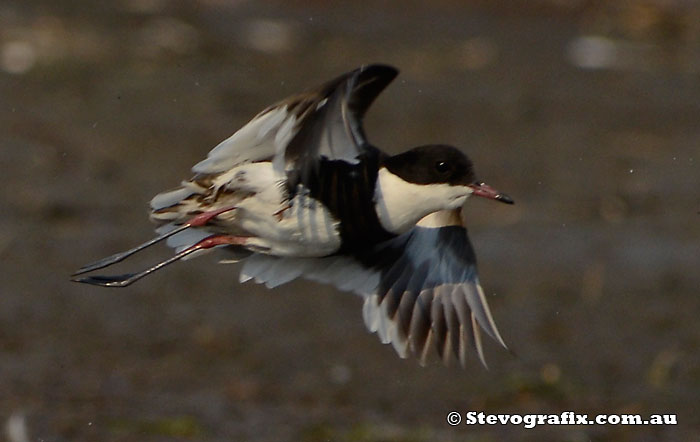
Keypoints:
pixel 219 240
pixel 204 217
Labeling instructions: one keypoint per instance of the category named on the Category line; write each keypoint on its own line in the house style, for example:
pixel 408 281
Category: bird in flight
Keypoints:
pixel 299 191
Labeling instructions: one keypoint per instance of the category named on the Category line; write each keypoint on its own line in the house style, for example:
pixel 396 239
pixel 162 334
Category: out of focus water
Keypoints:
pixel 589 116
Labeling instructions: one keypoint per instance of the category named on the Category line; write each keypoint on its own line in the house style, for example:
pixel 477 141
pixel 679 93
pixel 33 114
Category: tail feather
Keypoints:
pixel 173 197
pixel 179 204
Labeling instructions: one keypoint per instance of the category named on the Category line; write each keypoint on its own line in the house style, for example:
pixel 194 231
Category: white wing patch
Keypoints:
pixel 274 271
pixel 260 139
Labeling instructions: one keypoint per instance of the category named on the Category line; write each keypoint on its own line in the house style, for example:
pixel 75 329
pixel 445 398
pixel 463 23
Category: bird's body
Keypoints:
pixel 300 192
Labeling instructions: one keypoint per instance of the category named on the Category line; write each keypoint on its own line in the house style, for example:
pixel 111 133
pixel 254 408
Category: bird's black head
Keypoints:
pixel 441 164
pixel 432 164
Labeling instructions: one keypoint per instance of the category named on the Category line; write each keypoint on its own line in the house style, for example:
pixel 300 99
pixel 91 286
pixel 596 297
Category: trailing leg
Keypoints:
pixel 197 221
pixel 130 278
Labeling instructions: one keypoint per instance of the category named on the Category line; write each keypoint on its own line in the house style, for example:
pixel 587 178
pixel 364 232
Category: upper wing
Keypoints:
pixel 421 288
pixel 298 131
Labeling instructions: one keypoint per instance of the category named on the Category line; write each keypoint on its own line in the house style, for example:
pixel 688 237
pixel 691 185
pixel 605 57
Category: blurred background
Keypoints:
pixel 586 112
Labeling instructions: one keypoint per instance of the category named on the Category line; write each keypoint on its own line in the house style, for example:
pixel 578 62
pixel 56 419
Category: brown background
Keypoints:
pixel 588 115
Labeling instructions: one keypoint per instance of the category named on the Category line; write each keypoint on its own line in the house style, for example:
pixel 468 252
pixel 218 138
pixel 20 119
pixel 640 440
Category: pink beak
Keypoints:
pixel 486 191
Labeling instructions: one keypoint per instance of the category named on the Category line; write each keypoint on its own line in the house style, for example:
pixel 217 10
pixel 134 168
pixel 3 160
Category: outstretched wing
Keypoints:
pixel 421 289
pixel 295 133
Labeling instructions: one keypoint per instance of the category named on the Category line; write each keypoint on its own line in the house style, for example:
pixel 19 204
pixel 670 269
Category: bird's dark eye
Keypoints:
pixel 442 167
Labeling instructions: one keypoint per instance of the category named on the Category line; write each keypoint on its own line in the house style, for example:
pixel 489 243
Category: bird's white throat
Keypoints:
pixel 401 204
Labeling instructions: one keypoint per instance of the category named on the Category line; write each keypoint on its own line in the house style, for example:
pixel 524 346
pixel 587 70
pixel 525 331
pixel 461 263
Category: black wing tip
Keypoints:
pixel 377 76
pixel 379 70
pixel 375 71
pixel 362 84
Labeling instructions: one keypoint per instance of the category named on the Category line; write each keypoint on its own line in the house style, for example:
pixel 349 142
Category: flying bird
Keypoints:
pixel 299 191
